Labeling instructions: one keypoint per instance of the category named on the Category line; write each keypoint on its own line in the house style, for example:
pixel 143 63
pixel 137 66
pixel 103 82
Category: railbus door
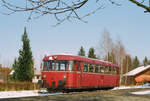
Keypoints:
pixel 79 73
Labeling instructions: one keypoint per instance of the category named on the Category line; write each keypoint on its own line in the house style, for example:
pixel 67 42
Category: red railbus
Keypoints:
pixel 69 72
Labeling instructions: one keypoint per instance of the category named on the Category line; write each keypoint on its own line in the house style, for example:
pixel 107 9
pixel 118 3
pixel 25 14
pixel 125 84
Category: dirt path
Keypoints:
pixel 101 95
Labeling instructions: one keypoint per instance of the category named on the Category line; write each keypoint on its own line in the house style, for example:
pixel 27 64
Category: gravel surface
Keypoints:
pixel 100 95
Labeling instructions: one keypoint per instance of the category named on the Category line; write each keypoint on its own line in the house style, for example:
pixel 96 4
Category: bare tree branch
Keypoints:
pixel 141 4
pixel 61 9
pixel 115 3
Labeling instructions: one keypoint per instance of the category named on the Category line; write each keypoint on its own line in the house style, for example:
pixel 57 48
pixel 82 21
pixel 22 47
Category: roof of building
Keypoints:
pixel 5 69
pixel 36 72
pixel 137 70
pixel 11 73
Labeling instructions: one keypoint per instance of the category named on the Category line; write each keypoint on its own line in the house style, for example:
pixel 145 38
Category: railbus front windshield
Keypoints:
pixel 58 65
pixel 48 65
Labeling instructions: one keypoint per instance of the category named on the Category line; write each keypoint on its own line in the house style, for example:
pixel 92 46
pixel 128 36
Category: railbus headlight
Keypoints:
pixel 44 76
pixel 65 76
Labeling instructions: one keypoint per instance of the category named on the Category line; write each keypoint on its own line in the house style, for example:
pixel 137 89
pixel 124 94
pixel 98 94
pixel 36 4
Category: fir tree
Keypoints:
pixel 14 66
pixel 136 62
pixel 129 63
pixel 24 70
pixel 81 52
pixel 145 61
pixel 91 53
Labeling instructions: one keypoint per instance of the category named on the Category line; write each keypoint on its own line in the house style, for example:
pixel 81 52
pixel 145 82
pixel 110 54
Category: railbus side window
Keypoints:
pixel 57 65
pixel 102 69
pixel 70 65
pixel 106 69
pixel 78 66
pixel 99 69
pixel 94 66
pixel 85 69
pixel 91 68
pixel 61 65
pixel 110 70
pixel 96 69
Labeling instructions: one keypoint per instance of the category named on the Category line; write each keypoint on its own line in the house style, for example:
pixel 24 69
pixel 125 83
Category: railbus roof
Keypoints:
pixel 78 58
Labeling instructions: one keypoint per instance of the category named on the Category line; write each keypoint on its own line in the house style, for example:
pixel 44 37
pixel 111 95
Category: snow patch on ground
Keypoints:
pixel 141 92
pixel 131 87
pixel 29 93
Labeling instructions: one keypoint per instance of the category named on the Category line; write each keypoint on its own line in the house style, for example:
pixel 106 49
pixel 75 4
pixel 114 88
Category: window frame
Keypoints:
pixel 85 64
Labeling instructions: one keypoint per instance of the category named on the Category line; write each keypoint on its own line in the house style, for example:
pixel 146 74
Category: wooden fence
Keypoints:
pixel 16 86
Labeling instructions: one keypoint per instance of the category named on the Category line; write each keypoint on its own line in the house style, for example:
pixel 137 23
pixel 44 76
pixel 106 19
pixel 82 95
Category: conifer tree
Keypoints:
pixel 136 62
pixel 24 70
pixel 91 53
pixel 14 66
pixel 81 52
pixel 145 61
pixel 129 63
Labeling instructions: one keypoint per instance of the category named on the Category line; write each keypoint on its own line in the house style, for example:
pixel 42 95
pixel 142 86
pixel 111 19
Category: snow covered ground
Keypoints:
pixel 28 93
pixel 133 87
pixel 141 93
pixel 16 94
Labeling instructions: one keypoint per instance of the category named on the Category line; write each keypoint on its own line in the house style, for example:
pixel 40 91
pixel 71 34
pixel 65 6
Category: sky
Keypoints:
pixel 127 22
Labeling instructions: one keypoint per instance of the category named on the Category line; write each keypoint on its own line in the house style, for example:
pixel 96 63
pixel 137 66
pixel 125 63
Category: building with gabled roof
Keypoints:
pixel 4 74
pixel 37 76
pixel 140 75
pixel 137 71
